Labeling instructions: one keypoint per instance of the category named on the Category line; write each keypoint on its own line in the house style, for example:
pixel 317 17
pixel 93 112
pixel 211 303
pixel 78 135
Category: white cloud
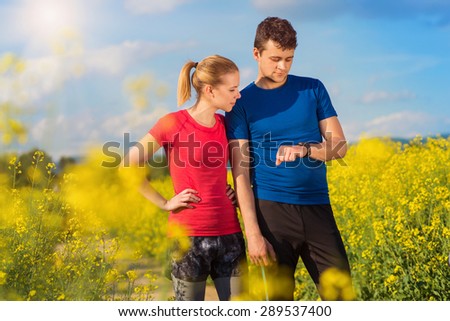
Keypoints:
pixel 40 77
pixel 408 117
pixel 74 135
pixel 401 124
pixel 134 122
pixel 115 59
pixel 384 96
pixel 62 135
pixel 152 6
pixel 45 75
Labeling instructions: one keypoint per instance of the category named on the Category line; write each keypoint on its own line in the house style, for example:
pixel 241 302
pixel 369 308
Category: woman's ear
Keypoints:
pixel 208 91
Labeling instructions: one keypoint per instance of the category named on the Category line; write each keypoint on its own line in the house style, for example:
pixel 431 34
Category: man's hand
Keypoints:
pixel 288 153
pixel 260 251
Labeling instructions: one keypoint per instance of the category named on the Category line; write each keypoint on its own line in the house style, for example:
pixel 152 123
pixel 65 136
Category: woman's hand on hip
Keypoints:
pixel 182 200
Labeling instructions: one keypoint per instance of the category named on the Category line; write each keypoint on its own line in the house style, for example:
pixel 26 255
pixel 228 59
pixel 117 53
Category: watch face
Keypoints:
pixel 308 149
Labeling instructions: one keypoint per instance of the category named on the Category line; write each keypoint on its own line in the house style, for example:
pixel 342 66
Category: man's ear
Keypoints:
pixel 256 54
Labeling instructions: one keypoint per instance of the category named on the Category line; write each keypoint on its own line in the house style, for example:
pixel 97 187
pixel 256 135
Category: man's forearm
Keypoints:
pixel 328 150
pixel 246 202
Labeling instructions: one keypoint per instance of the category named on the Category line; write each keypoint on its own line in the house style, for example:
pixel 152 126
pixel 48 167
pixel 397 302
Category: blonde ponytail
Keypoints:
pixel 184 83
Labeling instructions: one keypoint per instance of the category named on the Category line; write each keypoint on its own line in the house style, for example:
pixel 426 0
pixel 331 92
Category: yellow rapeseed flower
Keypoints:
pixel 131 275
pixel 390 280
pixel 3 277
pixel 336 284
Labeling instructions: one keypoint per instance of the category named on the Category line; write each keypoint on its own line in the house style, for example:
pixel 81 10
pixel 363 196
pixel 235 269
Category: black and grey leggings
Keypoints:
pixel 221 257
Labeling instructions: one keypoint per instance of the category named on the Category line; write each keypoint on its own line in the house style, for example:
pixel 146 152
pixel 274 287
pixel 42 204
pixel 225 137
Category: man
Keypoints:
pixel 282 131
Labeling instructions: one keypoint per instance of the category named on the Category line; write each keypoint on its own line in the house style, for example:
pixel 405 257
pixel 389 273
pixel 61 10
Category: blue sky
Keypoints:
pixel 96 69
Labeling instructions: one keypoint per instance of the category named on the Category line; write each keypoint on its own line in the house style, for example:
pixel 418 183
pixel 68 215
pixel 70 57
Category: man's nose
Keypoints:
pixel 281 65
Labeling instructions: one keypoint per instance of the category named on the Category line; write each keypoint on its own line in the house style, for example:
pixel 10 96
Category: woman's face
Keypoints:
pixel 226 94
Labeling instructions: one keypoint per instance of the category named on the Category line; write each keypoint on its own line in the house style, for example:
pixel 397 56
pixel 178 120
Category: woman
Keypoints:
pixel 195 143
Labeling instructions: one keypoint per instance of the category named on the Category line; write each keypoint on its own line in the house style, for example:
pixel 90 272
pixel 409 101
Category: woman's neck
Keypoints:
pixel 203 114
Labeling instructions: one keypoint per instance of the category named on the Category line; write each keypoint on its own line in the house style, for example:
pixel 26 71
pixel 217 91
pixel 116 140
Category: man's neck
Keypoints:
pixel 267 83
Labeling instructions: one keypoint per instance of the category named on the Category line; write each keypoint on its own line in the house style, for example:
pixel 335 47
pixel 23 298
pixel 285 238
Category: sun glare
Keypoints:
pixel 48 19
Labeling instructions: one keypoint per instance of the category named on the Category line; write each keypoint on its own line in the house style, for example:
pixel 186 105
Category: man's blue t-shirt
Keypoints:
pixel 287 115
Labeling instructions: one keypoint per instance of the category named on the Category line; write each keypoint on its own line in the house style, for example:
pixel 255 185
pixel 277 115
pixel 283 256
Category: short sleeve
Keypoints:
pixel 163 129
pixel 236 123
pixel 325 108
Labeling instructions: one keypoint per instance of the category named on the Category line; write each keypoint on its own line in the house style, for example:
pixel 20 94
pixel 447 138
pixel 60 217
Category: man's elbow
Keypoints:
pixel 342 147
pixel 337 148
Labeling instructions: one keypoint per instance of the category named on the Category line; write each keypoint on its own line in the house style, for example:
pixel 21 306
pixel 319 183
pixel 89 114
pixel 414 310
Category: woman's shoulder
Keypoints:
pixel 171 121
pixel 175 115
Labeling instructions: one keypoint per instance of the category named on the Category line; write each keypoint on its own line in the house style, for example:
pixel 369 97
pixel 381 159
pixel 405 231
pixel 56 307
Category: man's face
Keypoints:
pixel 274 63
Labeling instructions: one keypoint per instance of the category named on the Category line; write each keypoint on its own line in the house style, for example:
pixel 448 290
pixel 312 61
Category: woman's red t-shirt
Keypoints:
pixel 198 158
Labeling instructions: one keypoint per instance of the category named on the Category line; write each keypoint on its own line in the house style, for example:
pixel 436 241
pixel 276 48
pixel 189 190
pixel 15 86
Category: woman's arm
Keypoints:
pixel 138 156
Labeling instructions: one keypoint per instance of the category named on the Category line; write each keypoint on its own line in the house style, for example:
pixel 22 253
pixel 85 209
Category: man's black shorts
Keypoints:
pixel 306 231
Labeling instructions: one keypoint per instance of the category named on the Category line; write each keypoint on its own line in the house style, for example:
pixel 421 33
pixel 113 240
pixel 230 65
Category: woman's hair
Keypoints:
pixel 209 71
pixel 278 30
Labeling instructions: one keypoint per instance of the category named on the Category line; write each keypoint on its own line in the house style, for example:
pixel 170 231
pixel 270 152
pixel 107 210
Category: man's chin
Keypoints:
pixel 279 78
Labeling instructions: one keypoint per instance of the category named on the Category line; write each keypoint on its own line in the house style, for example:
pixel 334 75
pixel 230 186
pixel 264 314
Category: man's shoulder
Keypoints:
pixel 248 94
pixel 304 80
pixel 249 88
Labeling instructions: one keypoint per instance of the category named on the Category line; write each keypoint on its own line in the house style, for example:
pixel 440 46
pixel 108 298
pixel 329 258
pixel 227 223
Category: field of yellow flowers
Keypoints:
pixel 84 233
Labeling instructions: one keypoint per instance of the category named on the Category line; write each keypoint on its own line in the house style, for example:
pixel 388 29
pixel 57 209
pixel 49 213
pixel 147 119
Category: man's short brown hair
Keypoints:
pixel 278 30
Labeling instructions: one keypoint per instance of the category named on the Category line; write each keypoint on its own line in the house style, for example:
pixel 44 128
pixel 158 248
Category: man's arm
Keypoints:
pixel 259 249
pixel 334 145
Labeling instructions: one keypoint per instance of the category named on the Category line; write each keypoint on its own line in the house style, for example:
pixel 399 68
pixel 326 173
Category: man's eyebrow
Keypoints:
pixel 281 57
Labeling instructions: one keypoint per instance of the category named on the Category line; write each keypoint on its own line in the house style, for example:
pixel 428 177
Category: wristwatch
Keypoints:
pixel 308 148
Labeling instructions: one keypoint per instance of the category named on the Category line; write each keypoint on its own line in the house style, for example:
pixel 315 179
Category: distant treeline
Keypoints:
pixel 38 169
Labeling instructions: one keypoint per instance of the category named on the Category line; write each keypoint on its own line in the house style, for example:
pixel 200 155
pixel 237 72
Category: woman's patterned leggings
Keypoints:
pixel 221 257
